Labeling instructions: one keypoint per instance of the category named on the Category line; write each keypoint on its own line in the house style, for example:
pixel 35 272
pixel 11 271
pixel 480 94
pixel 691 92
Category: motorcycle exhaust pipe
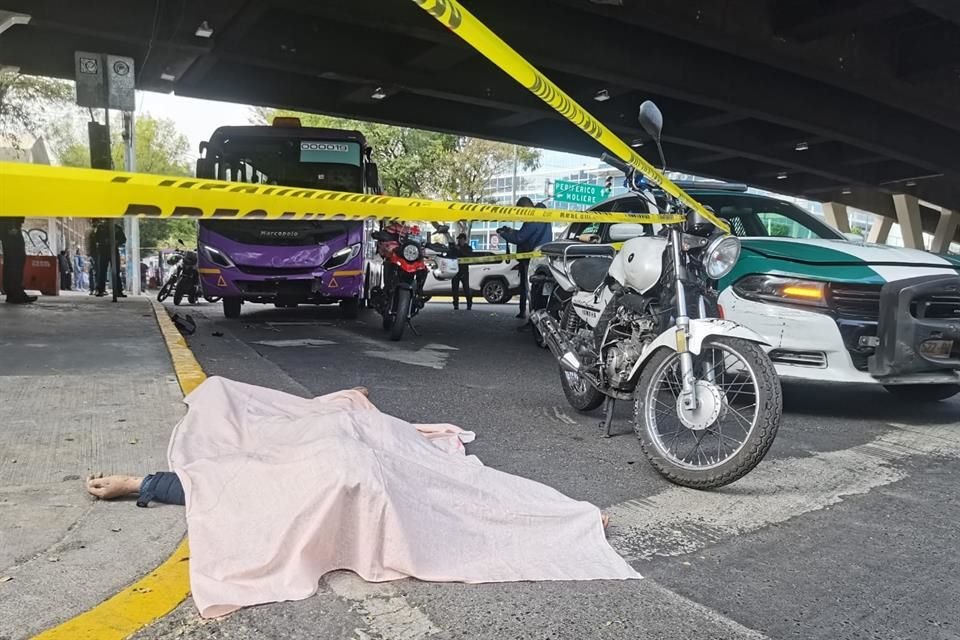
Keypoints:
pixel 559 346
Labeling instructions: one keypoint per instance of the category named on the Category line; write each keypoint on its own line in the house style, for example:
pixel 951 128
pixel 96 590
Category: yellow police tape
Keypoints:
pixel 525 255
pixel 30 190
pixel 452 15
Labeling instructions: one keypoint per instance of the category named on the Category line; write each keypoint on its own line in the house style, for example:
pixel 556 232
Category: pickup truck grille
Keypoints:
pixel 936 306
pixel 856 301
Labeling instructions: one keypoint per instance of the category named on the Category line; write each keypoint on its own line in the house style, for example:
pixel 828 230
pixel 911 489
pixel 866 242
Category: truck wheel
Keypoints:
pixel 350 308
pixel 495 291
pixel 923 392
pixel 231 307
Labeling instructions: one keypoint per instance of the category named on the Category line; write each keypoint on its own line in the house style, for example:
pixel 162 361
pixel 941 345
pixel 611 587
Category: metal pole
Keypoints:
pixel 114 267
pixel 513 191
pixel 132 224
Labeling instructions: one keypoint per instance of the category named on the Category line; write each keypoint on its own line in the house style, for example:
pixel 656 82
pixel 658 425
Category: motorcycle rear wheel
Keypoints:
pixel 748 406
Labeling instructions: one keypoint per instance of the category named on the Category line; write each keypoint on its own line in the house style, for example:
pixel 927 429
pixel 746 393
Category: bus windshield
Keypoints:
pixel 294 161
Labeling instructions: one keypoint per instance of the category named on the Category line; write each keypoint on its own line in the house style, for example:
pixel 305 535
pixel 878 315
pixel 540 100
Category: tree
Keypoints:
pixel 477 161
pixel 27 102
pixel 160 149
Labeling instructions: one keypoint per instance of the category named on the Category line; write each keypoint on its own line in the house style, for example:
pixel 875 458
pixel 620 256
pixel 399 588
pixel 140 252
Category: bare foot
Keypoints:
pixel 107 488
pixel 363 390
pixel 604 519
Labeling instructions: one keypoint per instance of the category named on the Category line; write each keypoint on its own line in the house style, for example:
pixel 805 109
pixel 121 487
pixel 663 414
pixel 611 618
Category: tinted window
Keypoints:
pixel 760 216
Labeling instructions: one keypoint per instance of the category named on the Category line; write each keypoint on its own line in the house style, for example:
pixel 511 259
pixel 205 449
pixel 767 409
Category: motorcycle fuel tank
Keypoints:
pixel 639 263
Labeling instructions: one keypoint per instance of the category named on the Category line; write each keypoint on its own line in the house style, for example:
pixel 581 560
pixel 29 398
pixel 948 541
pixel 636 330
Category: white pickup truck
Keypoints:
pixel 497 282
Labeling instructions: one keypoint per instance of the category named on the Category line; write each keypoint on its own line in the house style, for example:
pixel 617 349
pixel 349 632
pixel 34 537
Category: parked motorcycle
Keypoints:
pixel 400 297
pixel 184 280
pixel 643 326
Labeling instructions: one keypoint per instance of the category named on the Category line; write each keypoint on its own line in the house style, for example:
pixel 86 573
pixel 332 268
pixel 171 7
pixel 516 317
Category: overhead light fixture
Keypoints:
pixel 636 143
pixel 782 175
pixel 10 18
pixel 167 76
pixel 602 96
pixel 378 94
pixel 847 191
pixel 204 30
pixel 911 183
pixel 802 146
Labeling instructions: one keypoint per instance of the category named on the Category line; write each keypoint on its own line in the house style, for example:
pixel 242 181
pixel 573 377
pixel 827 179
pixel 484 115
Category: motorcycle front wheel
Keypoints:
pixel 404 300
pixel 165 290
pixel 730 431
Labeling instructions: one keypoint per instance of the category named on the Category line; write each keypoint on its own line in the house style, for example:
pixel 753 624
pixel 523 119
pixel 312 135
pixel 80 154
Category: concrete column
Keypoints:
pixel 836 216
pixel 908 215
pixel 880 230
pixel 946 230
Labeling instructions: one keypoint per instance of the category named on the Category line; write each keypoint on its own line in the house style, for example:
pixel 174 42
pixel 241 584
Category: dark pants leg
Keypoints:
pixel 14 257
pixel 462 277
pixel 103 265
pixel 524 285
pixel 163 486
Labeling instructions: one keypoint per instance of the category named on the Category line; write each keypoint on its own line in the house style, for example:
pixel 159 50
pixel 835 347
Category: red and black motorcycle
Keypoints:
pixel 400 294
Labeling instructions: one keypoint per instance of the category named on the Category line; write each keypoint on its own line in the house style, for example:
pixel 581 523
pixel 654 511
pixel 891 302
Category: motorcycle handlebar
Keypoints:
pixel 616 163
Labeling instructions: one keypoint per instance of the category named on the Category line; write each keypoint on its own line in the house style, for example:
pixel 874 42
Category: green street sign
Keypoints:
pixel 578 193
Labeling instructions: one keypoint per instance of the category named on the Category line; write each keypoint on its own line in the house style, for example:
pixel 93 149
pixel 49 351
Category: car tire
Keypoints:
pixel 923 392
pixel 231 307
pixel 495 291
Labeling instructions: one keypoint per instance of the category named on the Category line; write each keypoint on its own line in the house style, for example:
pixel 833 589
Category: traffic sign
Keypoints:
pixel 578 193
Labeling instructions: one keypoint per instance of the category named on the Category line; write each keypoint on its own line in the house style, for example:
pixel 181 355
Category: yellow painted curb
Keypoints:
pixel 157 594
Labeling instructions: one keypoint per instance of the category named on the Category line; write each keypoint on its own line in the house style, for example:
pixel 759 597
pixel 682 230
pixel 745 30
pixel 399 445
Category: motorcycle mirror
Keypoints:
pixel 651 119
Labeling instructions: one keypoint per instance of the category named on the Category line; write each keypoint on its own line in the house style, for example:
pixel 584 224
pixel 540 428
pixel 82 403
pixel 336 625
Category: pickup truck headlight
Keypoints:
pixel 811 293
pixel 342 257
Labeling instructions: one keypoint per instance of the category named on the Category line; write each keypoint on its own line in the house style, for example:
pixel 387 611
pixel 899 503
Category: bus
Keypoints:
pixel 287 262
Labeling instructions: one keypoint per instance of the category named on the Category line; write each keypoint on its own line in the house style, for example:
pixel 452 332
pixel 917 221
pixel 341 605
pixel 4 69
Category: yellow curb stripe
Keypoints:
pixel 158 593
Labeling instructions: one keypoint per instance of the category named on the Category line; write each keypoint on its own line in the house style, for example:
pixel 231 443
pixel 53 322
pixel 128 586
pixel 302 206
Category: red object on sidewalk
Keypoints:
pixel 40 273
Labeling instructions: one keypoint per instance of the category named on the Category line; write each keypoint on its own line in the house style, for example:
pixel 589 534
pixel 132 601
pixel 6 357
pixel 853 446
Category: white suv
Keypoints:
pixel 497 282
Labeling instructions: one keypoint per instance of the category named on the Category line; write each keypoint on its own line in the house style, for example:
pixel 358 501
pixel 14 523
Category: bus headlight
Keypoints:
pixel 721 256
pixel 217 257
pixel 342 257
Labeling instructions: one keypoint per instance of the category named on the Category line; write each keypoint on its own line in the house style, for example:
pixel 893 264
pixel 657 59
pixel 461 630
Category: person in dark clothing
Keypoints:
pixel 66 270
pixel 529 237
pixel 104 260
pixel 461 249
pixel 14 258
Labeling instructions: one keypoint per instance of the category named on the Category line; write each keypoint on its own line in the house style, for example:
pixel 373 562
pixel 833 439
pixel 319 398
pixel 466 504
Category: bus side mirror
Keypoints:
pixel 373 177
pixel 206 168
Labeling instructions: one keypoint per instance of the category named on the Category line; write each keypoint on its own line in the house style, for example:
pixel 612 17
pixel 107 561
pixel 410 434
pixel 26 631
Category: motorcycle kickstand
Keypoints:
pixel 608 404
pixel 413 328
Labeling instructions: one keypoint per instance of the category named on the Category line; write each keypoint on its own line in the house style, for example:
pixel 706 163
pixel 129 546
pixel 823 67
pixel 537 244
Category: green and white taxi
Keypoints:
pixel 832 309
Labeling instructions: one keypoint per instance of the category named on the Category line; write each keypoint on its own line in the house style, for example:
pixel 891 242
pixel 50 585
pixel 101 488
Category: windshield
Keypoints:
pixel 293 162
pixel 287 233
pixel 765 217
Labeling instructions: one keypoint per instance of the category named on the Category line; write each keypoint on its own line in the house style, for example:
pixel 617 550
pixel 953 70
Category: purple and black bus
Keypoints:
pixel 286 262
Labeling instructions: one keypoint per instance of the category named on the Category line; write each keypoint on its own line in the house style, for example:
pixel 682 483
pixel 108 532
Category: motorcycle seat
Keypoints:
pixel 574 249
pixel 589 273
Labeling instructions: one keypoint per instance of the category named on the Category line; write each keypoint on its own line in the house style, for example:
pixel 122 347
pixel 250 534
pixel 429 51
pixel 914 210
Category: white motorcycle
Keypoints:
pixel 641 324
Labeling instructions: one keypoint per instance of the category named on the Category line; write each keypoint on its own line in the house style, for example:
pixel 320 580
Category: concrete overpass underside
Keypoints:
pixel 843 101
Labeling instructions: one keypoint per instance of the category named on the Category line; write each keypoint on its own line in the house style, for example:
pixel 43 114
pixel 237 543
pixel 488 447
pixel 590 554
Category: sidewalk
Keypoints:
pixel 86 386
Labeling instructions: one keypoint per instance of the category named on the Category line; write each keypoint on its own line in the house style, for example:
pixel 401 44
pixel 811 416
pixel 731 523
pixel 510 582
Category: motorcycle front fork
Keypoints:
pixel 688 390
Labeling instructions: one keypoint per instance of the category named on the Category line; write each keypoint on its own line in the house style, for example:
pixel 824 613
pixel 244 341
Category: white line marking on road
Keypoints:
pixel 386 614
pixel 679 520
pixel 432 356
pixel 303 342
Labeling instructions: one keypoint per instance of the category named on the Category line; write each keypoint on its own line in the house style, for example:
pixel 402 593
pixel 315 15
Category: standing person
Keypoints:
pixel 105 260
pixel 530 236
pixel 66 269
pixel 14 257
pixel 462 249
pixel 79 270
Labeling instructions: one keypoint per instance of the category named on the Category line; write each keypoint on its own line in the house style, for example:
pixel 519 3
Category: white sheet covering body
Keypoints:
pixel 280 490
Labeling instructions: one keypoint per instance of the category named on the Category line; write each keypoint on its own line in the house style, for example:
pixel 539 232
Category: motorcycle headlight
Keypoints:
pixel 217 257
pixel 342 257
pixel 721 256
pixel 782 290
pixel 411 252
